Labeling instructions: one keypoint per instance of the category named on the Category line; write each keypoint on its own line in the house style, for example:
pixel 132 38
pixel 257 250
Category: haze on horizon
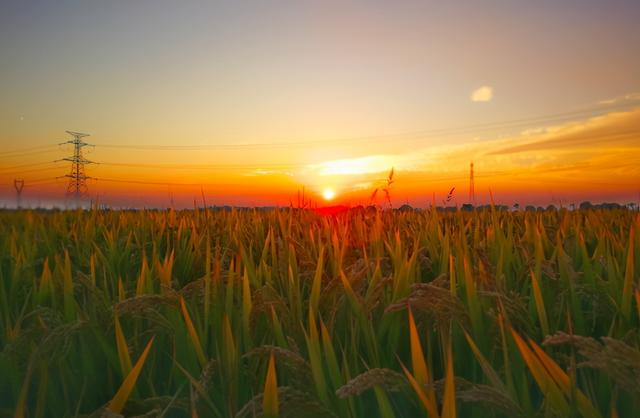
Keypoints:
pixel 248 102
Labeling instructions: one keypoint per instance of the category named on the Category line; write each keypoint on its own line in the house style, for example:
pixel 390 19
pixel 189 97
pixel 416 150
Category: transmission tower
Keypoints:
pixel 19 185
pixel 77 177
pixel 472 192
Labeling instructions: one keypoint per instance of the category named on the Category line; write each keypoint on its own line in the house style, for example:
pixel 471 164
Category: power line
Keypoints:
pixel 203 166
pixel 13 167
pixel 30 170
pixel 566 140
pixel 409 135
pixel 28 153
pixel 77 183
pixel 44 183
pixel 615 135
pixel 513 175
pixel 160 183
pixel 25 150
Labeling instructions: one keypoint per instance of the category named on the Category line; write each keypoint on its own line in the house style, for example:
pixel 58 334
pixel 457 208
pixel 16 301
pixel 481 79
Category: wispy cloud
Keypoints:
pixel 630 97
pixel 599 151
pixel 265 172
pixel 371 164
pixel 612 129
pixel 482 94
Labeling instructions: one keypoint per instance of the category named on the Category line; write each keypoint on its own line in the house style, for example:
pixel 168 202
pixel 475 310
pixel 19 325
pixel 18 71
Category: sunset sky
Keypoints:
pixel 247 102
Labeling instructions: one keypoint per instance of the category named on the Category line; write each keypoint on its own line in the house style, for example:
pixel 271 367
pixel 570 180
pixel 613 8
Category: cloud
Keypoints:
pixel 630 97
pixel 597 156
pixel 265 172
pixel 482 94
pixel 621 129
pixel 355 166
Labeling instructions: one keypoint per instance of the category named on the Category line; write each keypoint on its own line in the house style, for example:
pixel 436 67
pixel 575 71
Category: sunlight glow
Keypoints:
pixel 328 194
pixel 355 166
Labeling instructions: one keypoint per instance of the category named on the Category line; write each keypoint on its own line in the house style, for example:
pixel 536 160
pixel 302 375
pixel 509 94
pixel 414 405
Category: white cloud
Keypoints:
pixel 482 94
pixel 355 166
pixel 263 172
pixel 630 97
pixel 370 164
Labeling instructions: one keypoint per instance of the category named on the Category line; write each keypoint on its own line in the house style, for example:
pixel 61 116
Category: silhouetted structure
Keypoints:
pixel 467 207
pixel 19 185
pixel 472 192
pixel 77 177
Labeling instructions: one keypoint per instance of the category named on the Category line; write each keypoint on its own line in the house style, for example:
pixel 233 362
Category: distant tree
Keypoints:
pixel 551 208
pixel 516 206
pixel 371 210
pixel 530 208
pixel 586 205
pixel 467 207
pixel 358 209
pixel 608 205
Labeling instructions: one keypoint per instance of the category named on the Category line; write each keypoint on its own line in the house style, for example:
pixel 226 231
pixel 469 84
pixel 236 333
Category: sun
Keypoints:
pixel 328 194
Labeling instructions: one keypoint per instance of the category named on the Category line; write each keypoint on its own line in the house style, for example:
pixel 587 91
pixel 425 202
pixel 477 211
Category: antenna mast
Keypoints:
pixel 472 192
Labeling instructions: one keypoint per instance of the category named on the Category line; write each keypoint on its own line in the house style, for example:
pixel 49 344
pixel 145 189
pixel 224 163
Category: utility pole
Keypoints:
pixel 472 192
pixel 19 185
pixel 77 186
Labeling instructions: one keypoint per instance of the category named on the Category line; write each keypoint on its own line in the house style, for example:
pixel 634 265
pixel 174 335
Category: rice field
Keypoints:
pixel 286 313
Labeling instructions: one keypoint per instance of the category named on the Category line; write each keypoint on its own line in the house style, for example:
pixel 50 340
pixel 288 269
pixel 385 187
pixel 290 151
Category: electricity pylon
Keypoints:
pixel 472 192
pixel 19 185
pixel 77 178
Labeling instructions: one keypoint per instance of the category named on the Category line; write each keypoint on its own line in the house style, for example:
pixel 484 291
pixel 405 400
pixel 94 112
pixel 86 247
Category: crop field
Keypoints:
pixel 286 313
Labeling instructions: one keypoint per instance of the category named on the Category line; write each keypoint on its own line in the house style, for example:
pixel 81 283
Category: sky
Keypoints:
pixel 247 103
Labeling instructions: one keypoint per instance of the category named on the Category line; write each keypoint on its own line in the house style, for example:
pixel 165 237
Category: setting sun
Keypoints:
pixel 328 194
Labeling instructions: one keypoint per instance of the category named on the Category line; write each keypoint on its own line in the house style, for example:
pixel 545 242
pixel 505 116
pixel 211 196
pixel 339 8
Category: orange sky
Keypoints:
pixel 594 158
pixel 246 104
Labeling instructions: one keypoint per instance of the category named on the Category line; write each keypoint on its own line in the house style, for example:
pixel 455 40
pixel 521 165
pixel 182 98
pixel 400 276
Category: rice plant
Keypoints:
pixel 287 313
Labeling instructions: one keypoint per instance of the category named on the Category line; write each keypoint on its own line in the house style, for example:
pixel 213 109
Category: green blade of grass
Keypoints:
pixel 193 334
pixel 201 390
pixel 547 385
pixel 537 295
pixel 314 297
pixel 120 398
pixel 627 290
pixel 561 378
pixel 69 301
pixel 449 397
pixel 123 349
pixel 420 378
pixel 270 394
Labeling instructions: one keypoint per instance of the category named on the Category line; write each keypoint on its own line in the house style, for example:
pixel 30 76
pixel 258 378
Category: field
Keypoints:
pixel 288 313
